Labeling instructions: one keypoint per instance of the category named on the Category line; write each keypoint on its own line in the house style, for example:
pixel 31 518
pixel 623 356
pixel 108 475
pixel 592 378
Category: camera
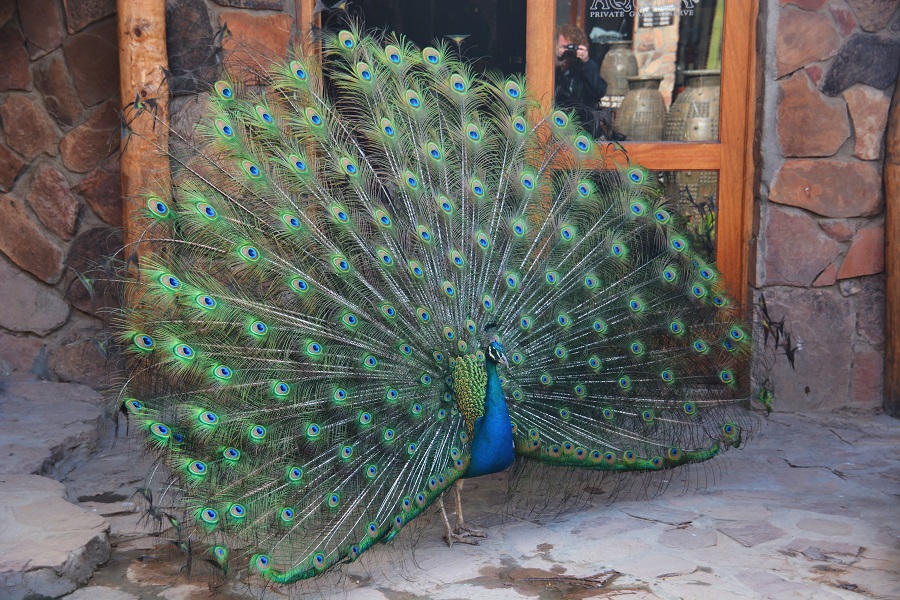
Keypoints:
pixel 570 51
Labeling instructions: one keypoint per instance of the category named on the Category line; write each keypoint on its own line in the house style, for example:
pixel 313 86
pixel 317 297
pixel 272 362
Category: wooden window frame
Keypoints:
pixel 731 156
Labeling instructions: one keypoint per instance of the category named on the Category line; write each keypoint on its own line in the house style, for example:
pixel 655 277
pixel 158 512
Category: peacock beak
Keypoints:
pixel 503 361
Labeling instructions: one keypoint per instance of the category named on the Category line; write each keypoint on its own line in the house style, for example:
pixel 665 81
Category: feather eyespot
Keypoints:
pixel 298 163
pixel 263 114
pixel 184 351
pixel 160 430
pixel 291 221
pixel 636 175
pixel 364 71
pixel 393 54
pixel 458 83
pixel 209 516
pixel 346 39
pixel 251 169
pixel 298 71
pixel 431 55
pixel 224 90
pixel 249 253
pixel 261 562
pixel 583 143
pixel 157 206
pixel 143 341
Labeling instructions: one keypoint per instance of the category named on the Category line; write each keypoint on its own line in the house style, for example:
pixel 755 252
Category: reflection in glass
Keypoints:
pixel 694 116
pixel 695 198
pixel 668 39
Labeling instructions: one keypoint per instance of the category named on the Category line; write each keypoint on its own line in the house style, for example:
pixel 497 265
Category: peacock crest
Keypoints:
pixel 313 338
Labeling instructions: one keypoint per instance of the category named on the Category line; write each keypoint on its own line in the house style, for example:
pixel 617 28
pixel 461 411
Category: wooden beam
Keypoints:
pixel 142 58
pixel 540 51
pixel 735 205
pixel 892 259
pixel 304 20
pixel 675 156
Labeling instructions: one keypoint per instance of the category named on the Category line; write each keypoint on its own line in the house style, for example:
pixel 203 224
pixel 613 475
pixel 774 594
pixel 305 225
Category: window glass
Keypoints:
pixel 657 61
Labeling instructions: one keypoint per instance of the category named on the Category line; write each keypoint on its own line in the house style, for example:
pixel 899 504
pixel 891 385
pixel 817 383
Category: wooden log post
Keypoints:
pixel 892 259
pixel 540 52
pixel 145 104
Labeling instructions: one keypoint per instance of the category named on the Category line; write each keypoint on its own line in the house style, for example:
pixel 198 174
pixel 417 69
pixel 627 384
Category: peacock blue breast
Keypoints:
pixel 492 441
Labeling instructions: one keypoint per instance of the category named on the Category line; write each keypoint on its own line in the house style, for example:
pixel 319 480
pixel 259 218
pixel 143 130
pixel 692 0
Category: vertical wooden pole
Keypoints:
pixel 892 259
pixel 540 51
pixel 737 96
pixel 142 58
pixel 303 17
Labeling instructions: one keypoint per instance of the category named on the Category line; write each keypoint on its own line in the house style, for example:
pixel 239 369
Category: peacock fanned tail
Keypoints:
pixel 325 262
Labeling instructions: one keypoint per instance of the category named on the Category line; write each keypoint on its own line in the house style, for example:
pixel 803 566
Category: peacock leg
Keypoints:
pixel 449 536
pixel 461 528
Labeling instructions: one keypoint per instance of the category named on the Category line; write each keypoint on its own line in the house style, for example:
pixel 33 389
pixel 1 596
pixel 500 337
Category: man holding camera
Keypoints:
pixel 578 82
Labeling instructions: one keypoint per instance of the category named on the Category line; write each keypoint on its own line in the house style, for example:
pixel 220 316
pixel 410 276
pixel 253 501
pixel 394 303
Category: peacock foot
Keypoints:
pixel 462 538
pixel 463 530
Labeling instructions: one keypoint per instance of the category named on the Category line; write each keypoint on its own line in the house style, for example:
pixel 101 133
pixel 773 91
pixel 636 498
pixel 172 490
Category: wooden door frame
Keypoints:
pixel 731 156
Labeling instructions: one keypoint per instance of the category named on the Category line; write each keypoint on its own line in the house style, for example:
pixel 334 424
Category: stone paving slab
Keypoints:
pixel 48 547
pixel 808 509
pixel 47 427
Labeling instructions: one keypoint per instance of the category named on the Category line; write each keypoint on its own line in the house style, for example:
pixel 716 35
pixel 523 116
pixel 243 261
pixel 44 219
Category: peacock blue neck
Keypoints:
pixel 492 442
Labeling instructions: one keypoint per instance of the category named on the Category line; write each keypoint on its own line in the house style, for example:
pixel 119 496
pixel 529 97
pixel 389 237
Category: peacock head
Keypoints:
pixel 496 353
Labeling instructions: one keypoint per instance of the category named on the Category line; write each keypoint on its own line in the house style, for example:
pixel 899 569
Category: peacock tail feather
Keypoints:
pixel 306 339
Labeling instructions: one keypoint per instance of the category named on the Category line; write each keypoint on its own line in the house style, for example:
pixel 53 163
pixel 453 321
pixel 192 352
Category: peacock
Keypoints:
pixel 375 274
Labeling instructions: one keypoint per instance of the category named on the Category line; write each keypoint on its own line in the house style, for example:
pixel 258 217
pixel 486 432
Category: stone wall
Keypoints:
pixel 60 190
pixel 830 69
pixel 59 181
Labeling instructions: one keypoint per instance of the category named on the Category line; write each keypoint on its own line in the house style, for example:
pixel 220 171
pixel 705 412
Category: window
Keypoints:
pixel 726 162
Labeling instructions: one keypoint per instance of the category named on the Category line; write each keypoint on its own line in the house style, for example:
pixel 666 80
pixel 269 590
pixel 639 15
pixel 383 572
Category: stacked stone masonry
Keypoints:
pixel 821 239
